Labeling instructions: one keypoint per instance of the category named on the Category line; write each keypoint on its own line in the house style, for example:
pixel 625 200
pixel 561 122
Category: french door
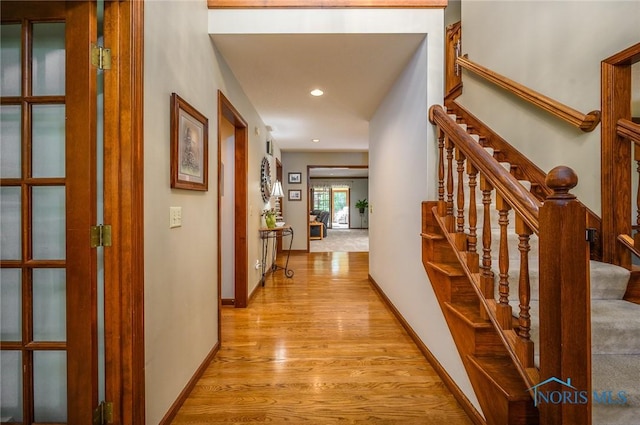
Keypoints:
pixel 48 323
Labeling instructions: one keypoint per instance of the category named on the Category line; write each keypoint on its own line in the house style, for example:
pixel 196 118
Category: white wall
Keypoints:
pixel 402 155
pixel 181 264
pixel 554 48
pixel 296 213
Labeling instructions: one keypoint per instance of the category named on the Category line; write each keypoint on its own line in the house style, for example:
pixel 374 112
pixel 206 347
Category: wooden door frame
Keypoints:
pixel 616 154
pixel 241 157
pixel 124 211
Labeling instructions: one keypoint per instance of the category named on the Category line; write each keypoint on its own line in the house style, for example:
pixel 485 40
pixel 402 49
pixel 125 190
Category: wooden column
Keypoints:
pixel 565 317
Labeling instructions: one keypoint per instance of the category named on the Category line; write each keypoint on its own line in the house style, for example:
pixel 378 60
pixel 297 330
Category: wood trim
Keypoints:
pixel 452 80
pixel 81 207
pixel 124 210
pixel 629 130
pixel 184 394
pixel 451 385
pixel 241 170
pixel 306 4
pixel 227 301
pixel 616 154
pixel 585 122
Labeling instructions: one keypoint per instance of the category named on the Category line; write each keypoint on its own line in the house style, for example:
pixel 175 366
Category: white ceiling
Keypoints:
pixel 355 71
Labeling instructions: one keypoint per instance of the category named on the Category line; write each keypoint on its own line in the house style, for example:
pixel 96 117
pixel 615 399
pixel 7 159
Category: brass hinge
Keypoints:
pixel 100 57
pixel 100 235
pixel 103 414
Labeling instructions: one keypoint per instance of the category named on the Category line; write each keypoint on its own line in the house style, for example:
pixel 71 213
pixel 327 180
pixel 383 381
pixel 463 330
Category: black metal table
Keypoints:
pixel 267 234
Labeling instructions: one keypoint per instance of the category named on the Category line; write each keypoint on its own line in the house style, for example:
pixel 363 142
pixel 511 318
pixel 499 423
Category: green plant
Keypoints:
pixel 362 204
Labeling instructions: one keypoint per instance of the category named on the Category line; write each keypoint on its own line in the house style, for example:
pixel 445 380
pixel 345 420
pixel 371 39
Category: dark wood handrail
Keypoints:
pixel 629 130
pixel 585 122
pixel 520 199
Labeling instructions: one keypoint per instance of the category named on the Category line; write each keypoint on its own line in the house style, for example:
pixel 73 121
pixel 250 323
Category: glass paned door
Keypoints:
pixel 340 208
pixel 47 273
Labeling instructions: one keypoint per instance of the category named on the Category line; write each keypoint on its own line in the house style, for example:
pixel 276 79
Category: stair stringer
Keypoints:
pixel 499 384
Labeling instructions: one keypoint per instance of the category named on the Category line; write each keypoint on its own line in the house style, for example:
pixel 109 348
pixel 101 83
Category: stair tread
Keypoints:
pixel 448 269
pixel 432 236
pixel 470 314
pixel 502 372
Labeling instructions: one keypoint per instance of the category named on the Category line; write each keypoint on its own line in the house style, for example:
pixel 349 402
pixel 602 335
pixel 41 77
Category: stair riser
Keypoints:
pixel 502 410
pixel 482 341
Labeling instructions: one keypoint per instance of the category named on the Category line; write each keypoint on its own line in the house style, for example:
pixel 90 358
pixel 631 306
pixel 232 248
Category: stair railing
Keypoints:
pixel 560 224
pixel 585 122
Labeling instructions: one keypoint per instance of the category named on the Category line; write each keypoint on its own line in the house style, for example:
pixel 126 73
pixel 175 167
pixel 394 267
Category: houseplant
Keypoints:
pixel 270 218
pixel 361 205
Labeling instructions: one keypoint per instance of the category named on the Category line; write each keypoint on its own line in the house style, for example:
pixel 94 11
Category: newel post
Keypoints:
pixel 565 309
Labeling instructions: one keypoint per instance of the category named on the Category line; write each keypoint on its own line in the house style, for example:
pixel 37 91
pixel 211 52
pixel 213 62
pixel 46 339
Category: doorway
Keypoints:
pixel 340 208
pixel 48 197
pixel 237 252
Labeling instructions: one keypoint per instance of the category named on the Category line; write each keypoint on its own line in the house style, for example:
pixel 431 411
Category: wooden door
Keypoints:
pixel 48 334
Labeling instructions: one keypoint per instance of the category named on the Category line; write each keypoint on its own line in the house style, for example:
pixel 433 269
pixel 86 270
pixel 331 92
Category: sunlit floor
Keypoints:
pixel 320 348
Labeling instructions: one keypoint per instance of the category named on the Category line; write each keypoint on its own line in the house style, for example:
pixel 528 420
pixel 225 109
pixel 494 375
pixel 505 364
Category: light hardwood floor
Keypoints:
pixel 320 348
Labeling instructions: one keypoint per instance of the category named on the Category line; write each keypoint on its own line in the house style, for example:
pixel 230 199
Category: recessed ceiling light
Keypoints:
pixel 316 92
pixel 315 140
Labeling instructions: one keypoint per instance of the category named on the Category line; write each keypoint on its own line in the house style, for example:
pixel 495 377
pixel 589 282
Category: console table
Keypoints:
pixel 267 234
pixel 313 224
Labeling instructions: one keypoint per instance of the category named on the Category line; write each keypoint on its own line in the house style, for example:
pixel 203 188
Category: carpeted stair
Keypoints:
pixel 615 323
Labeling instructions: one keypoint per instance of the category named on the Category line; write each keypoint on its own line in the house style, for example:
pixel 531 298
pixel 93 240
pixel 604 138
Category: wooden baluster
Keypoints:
pixel 565 305
pixel 441 166
pixel 636 236
pixel 524 345
pixel 486 276
pixel 503 309
pixel 472 255
pixel 449 217
pixel 460 195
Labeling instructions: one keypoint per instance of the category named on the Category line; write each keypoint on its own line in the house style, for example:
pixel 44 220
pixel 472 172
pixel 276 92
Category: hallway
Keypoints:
pixel 320 348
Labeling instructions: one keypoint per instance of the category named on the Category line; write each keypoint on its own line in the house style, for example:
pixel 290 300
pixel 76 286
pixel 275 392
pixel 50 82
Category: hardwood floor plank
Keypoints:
pixel 321 348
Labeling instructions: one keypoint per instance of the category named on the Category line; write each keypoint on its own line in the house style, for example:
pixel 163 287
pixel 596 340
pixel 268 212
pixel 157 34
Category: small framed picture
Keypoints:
pixel 295 178
pixel 189 146
pixel 295 195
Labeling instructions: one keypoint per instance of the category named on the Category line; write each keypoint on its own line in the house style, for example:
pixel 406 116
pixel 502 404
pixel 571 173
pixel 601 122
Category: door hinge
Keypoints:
pixel 100 235
pixel 100 57
pixel 103 414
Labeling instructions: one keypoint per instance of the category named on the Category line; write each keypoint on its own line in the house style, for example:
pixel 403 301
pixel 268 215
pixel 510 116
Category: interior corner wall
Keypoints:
pixel 555 48
pixel 181 288
pixel 402 174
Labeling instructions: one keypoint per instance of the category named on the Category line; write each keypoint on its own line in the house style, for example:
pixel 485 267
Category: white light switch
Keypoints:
pixel 175 217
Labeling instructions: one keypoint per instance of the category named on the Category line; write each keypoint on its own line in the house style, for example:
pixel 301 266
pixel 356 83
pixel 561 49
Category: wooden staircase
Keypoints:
pixel 500 389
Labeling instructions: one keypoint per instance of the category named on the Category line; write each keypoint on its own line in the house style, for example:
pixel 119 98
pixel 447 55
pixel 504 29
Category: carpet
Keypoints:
pixel 342 240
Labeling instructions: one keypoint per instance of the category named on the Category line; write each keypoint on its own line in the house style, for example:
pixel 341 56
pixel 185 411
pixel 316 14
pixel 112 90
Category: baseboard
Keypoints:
pixel 173 410
pixel 228 301
pixel 462 399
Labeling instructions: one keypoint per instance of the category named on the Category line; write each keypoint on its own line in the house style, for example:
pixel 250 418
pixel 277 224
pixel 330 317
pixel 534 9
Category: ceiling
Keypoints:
pixel 355 71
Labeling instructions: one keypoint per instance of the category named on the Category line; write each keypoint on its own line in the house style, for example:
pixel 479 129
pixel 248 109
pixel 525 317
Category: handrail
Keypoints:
pixel 629 129
pixel 506 184
pixel 585 122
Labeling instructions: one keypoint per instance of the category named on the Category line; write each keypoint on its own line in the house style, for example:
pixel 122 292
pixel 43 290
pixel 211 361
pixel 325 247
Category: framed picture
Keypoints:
pixel 295 178
pixel 189 146
pixel 295 195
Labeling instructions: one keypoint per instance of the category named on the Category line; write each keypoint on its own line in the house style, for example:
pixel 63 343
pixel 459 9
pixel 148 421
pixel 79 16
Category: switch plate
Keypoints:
pixel 175 217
